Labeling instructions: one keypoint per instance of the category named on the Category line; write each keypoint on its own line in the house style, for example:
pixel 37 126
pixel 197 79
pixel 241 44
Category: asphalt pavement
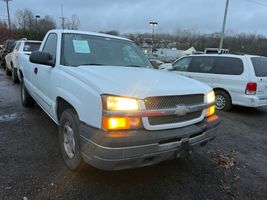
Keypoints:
pixel 233 166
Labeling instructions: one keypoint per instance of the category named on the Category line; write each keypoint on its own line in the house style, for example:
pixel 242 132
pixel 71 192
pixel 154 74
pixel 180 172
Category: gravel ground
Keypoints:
pixel 233 166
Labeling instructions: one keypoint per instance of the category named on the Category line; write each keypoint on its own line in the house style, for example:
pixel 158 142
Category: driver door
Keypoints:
pixel 41 76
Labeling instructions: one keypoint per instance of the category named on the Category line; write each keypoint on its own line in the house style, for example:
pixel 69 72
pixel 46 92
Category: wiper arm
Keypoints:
pixel 98 64
pixel 133 66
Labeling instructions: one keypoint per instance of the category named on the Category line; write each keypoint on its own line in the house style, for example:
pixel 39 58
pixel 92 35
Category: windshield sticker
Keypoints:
pixel 81 46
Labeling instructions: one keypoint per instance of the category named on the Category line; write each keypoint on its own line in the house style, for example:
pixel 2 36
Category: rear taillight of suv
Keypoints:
pixel 251 88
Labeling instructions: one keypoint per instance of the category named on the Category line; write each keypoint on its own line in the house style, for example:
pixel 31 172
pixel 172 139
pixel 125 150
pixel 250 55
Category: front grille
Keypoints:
pixel 164 102
pixel 170 119
pixel 172 101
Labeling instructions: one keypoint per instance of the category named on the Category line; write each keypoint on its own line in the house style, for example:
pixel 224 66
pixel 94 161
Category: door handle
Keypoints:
pixel 35 70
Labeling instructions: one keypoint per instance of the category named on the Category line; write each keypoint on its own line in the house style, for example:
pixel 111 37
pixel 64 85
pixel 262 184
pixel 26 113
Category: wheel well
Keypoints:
pixel 221 89
pixel 62 105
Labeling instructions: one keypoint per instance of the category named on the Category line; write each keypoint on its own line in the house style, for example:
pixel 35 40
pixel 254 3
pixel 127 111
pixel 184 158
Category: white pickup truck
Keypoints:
pixel 113 109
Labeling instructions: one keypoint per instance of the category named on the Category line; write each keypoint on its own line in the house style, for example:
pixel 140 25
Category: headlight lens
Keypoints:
pixel 211 97
pixel 114 103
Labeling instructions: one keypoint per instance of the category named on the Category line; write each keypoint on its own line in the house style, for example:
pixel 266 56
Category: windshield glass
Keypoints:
pixel 260 66
pixel 31 46
pixel 82 49
pixel 10 44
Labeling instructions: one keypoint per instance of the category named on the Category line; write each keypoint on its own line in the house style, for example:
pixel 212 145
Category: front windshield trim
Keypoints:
pixel 138 52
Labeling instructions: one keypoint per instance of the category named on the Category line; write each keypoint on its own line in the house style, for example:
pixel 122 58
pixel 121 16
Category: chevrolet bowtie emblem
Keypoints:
pixel 181 110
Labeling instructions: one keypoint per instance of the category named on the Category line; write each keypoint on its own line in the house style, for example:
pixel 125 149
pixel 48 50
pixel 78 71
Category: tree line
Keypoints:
pixel 27 25
pixel 240 43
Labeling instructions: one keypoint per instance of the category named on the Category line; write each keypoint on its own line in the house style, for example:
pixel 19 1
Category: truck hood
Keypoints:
pixel 135 82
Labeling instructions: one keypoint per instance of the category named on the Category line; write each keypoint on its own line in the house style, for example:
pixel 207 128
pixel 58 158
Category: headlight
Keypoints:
pixel 114 103
pixel 210 97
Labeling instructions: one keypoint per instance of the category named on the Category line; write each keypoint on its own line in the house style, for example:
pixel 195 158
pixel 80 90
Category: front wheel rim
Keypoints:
pixel 68 140
pixel 220 102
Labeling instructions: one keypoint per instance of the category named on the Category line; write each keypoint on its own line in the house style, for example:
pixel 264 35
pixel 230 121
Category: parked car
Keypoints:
pixel 113 109
pixel 13 59
pixel 236 79
pixel 7 46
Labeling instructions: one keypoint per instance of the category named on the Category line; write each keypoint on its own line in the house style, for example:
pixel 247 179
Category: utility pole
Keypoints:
pixel 8 16
pixel 62 18
pixel 224 22
pixel 153 24
pixel 36 29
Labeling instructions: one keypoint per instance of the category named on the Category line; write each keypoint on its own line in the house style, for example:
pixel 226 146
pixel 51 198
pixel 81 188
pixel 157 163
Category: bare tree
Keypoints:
pixel 26 25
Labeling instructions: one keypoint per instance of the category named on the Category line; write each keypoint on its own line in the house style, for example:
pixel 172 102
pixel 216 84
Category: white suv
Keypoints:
pixel 236 79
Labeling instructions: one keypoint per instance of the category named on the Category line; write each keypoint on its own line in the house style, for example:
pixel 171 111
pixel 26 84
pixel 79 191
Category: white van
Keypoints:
pixel 236 79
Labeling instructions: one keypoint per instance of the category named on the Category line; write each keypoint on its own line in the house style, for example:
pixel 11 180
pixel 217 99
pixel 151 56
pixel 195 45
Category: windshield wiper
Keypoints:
pixel 98 64
pixel 133 66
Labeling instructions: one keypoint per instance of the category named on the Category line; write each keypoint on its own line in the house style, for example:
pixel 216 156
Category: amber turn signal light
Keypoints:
pixel 210 111
pixel 121 123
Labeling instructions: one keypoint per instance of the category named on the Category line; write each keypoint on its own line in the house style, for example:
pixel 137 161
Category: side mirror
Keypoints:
pixel 42 58
pixel 166 66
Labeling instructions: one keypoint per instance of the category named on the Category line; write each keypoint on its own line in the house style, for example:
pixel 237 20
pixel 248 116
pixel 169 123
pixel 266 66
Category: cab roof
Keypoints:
pixel 60 31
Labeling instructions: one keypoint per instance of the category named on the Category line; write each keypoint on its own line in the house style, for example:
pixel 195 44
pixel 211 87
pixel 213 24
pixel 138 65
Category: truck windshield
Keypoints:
pixel 82 49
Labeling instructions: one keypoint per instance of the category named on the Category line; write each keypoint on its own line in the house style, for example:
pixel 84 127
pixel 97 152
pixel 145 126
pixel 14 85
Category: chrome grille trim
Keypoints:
pixel 158 112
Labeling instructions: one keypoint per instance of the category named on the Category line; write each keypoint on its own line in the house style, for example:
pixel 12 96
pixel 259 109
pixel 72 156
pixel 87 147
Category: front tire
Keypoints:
pixel 223 100
pixel 15 77
pixel 8 72
pixel 69 140
pixel 26 99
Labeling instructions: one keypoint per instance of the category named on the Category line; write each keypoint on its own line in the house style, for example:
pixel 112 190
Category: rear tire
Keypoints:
pixel 15 77
pixel 223 100
pixel 26 99
pixel 69 140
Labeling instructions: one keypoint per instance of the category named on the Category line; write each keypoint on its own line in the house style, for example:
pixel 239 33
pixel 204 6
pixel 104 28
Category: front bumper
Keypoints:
pixel 136 148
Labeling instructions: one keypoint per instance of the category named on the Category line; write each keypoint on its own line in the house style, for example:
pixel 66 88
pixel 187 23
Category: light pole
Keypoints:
pixel 8 15
pixel 224 22
pixel 36 18
pixel 153 24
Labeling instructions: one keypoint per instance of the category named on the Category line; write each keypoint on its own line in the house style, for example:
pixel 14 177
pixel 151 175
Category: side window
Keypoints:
pixel 201 64
pixel 182 64
pixel 229 66
pixel 51 45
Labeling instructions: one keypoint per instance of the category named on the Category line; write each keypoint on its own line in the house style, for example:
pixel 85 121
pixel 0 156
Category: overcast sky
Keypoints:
pixel 134 15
